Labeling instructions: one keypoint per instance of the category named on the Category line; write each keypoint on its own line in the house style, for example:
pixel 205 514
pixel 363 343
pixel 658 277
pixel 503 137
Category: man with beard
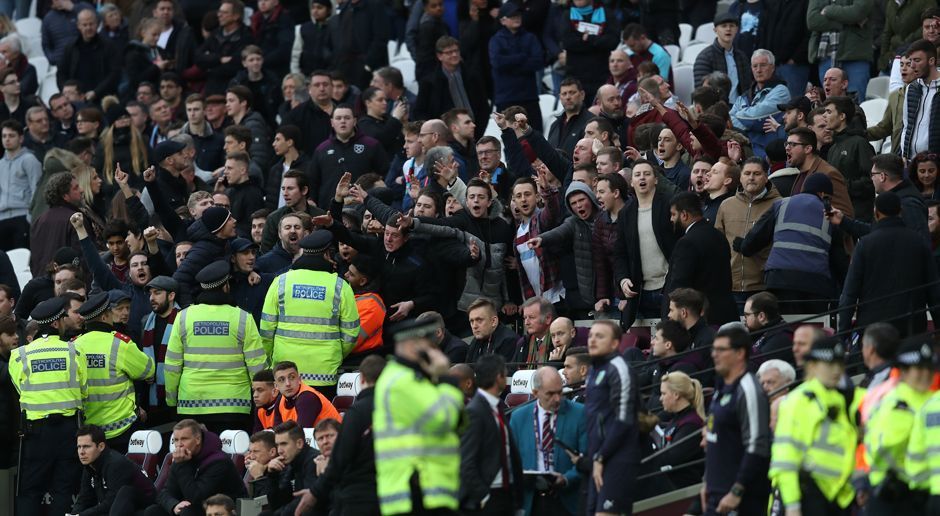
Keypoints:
pixel 802 153
pixel 918 135
pixel 295 189
pixel 540 275
pixel 157 327
pixel 138 275
pixel 293 227
pixel 364 276
pixel 210 236
pixel 610 107
pixel 623 76
pixel 170 187
pixel 568 127
pixel 247 295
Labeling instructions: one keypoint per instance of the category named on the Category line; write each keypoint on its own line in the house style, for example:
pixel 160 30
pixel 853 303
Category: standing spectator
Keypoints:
pixel 390 80
pixel 476 32
pixel 489 336
pixel 723 56
pixel 611 406
pixel 144 60
pixel 431 27
pixel 263 84
pixel 892 122
pixel 552 417
pixel 272 29
pixel 802 148
pixel 176 37
pixel 312 48
pixel 295 194
pixel 760 101
pixel 90 61
pixel 378 123
pixel 20 172
pixel 623 75
pixel 220 55
pixel 63 196
pixel 842 36
pixel 773 339
pixel 669 151
pixel 238 105
pixel 589 36
pixel 359 31
pixel 736 216
pixel 245 195
pixel 701 259
pixel 59 29
pixel 737 443
pixel 210 235
pixel 490 464
pixel 890 246
pixel 540 275
pixel 921 102
pixel 38 137
pixel 286 143
pixel 901 29
pixel 199 469
pixel 451 85
pixel 642 48
pixel 462 128
pixel 313 117
pixel 568 127
pixel 784 33
pixel 208 142
pixel 157 326
pixel 850 154
pixel 516 57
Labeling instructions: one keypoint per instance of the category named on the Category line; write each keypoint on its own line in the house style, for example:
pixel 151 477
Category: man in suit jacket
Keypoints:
pixel 490 468
pixel 436 94
pixel 700 260
pixel 539 445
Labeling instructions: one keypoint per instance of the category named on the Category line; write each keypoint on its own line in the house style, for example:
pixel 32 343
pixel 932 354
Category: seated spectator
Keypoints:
pixel 199 468
pixel 563 332
pixel 669 340
pixel 687 306
pixel 298 401
pixel 292 470
pixel 325 434
pixel 111 483
pixel 775 378
pixel 773 339
pixel 454 347
pixel 262 449
pixel 489 336
pixel 219 505
pixel 90 61
pixel 265 397
pixel 576 367
pixel 681 398
pixel 718 55
pixel 220 56
pixel 760 101
pixel 11 46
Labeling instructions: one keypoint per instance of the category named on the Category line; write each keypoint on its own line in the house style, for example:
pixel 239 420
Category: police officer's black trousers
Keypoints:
pixel 813 502
pixel 49 463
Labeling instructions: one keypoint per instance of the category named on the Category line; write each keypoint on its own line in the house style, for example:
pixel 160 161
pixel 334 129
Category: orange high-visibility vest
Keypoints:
pixel 327 410
pixel 371 317
pixel 265 417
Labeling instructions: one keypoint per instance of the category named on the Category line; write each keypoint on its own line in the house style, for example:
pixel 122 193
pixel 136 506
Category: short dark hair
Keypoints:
pixel 805 135
pixel 844 105
pixel 241 134
pixel 435 196
pixel 737 337
pixel 450 116
pixel 580 354
pixel 604 126
pixel 291 132
pixel 371 367
pixel 476 182
pixel 327 423
pixel 263 437
pixel 688 298
pixel 890 164
pixel 12 125
pixel 885 339
pixel 633 30
pixel 221 499
pixel 767 303
pixel 291 428
pixel 299 176
pixel 754 160
pixel 285 365
pixel 688 202
pixel 392 75
pixel 571 81
pixel 242 92
pixel 116 227
pixel 264 375
pixel 241 157
pixel 94 431
pixel 7 323
pixel 262 213
pixel 79 144
pixel 445 42
pixel 617 183
pixel 488 368
pixel 482 302
pixel 675 333
pixel 922 45
pixel 705 96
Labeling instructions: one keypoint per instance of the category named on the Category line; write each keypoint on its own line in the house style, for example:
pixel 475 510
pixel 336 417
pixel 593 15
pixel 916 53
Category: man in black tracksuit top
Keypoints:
pixel 111 483
pixel 346 151
pixel 296 468
pixel 611 412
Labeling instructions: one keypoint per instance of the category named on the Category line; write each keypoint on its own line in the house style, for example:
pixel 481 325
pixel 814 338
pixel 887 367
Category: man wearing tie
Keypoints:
pixel 540 429
pixel 490 468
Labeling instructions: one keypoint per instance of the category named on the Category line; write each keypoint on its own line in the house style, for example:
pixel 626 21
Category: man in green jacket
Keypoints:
pixel 851 154
pixel 841 36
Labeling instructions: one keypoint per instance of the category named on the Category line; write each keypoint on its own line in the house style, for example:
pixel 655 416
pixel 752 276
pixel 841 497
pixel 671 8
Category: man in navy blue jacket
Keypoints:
pixel 516 59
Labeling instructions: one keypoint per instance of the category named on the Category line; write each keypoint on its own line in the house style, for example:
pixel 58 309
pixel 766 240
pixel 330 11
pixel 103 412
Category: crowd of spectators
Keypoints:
pixel 276 136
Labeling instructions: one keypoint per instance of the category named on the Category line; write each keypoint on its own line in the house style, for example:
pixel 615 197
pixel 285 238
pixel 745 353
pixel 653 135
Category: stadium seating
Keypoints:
pixel 144 448
pixel 346 391
pixel 705 33
pixel 685 82
pixel 520 387
pixel 235 444
pixel 19 258
pixel 692 51
pixel 877 88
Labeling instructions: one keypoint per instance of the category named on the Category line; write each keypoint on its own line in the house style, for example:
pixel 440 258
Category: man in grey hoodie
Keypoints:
pixel 576 233
pixel 19 179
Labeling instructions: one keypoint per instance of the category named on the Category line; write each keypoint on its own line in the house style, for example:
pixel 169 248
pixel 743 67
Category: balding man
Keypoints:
pixel 610 106
pixel 434 133
pixel 538 429
pixel 90 60
pixel 623 75
pixel 803 339
pixel 563 332
pixel 466 380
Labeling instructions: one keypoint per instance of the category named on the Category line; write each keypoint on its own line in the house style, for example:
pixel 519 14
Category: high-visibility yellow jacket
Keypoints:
pixel 114 362
pixel 213 352
pixel 50 376
pixel 416 432
pixel 923 454
pixel 310 318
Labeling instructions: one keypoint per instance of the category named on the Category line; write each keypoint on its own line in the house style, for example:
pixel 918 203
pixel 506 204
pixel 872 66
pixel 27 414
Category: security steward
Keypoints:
pixel 923 462
pixel 813 454
pixel 310 315
pixel 50 376
pixel 213 352
pixel 298 401
pixel 417 415
pixel 889 429
pixel 114 363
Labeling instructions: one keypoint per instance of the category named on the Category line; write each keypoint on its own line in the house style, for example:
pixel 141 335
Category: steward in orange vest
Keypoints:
pixel 363 275
pixel 298 401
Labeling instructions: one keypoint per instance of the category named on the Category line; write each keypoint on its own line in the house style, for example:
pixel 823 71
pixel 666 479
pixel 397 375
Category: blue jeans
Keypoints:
pixel 858 71
pixel 796 75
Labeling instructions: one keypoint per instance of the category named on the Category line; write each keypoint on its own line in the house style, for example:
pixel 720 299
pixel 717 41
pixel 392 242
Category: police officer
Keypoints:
pixel 888 431
pixel 813 454
pixel 310 315
pixel 213 352
pixel 50 376
pixel 417 413
pixel 922 461
pixel 114 363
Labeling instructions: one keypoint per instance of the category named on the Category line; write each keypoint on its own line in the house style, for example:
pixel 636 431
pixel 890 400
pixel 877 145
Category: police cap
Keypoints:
pixel 317 243
pixel 410 330
pixel 213 275
pixel 827 349
pixel 915 353
pixel 95 306
pixel 49 311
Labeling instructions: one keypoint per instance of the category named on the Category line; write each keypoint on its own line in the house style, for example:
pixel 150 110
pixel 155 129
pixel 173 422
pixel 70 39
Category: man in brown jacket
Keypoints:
pixel 736 216
pixel 801 150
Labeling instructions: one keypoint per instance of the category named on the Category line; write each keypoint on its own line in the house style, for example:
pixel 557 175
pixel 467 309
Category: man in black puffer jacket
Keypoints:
pixel 210 236
pixel 295 469
pixel 111 483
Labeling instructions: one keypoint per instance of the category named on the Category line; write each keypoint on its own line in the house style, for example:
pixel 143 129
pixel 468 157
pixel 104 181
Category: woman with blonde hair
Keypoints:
pixel 121 143
pixel 684 404
pixel 93 204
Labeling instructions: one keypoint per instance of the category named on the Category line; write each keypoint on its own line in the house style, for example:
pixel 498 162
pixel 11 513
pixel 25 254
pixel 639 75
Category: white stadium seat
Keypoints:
pixel 348 385
pixel 685 82
pixel 874 110
pixel 522 381
pixel 705 33
pixel 234 442
pixel 878 87
pixel 674 53
pixel 685 34
pixel 19 258
pixel 692 51
pixel 407 68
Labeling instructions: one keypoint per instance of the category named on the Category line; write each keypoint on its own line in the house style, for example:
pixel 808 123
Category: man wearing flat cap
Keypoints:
pixel 51 378
pixel 156 333
pixel 211 236
pixel 310 315
pixel 114 363
pixel 247 295
pixel 813 454
pixel 422 411
pixel 807 258
pixel 170 162
pixel 213 352
pixel 722 56
pixel 892 277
